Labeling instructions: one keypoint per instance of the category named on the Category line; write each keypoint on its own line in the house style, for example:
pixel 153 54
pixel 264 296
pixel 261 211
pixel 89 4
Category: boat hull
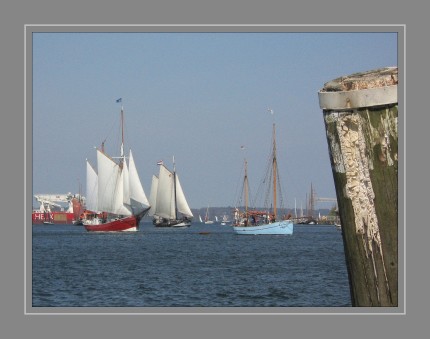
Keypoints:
pixel 172 223
pixel 183 224
pixel 128 224
pixel 284 227
pixel 61 217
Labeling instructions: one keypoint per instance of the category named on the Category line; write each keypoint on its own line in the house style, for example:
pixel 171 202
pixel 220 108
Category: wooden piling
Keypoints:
pixel 360 115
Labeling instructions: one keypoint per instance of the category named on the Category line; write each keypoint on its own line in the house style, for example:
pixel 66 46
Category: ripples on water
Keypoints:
pixel 164 267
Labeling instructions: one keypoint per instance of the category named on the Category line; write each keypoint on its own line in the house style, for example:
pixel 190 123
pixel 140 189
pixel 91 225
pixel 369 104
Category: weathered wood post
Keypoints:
pixel 360 116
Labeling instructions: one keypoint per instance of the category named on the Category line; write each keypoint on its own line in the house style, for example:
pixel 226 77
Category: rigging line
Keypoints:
pixel 112 126
pixel 268 196
pixel 238 197
pixel 281 194
pixel 266 177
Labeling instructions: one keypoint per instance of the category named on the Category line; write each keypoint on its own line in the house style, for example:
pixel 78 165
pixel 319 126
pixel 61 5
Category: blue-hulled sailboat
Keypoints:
pixel 259 222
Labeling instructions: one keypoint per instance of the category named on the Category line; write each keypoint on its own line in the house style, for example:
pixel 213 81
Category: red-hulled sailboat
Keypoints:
pixel 114 193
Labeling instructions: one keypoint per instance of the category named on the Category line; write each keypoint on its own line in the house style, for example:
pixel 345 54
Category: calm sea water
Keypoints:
pixel 165 267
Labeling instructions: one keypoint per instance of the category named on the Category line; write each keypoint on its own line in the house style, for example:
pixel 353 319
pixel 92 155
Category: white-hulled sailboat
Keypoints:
pixel 256 222
pixel 170 207
pixel 207 220
pixel 114 193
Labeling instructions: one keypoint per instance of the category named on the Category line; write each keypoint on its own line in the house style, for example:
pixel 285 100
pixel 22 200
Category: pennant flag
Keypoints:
pixel 119 100
pixel 160 163
pixel 271 111
pixel 242 147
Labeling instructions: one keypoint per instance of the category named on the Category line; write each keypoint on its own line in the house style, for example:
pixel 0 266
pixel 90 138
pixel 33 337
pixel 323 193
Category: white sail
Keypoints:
pixel 153 195
pixel 110 186
pixel 126 185
pixel 165 204
pixel 165 199
pixel 121 208
pixel 116 192
pixel 91 189
pixel 138 200
pixel 181 202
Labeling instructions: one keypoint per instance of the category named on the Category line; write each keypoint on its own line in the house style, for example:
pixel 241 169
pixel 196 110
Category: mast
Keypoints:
pixel 122 130
pixel 311 202
pixel 275 212
pixel 245 184
pixel 122 133
pixel 307 205
pixel 295 208
pixel 174 189
pixel 207 214
pixel 79 187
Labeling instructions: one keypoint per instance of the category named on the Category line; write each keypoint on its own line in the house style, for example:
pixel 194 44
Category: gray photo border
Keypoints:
pixel 30 29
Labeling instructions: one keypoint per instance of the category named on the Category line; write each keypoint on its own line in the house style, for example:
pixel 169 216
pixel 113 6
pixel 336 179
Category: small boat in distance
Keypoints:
pixel 48 222
pixel 254 222
pixel 207 220
pixel 114 193
pixel 224 220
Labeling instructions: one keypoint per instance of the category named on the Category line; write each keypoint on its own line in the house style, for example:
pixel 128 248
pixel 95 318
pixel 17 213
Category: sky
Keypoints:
pixel 198 97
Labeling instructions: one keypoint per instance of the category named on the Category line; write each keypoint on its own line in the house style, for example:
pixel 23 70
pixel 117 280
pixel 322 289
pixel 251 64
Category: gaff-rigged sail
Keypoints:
pixel 166 202
pixel 153 195
pixel 110 186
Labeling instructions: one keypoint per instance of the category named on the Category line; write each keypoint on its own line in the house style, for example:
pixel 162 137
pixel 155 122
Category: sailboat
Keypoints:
pixel 115 195
pixel 255 222
pixel 169 205
pixel 207 220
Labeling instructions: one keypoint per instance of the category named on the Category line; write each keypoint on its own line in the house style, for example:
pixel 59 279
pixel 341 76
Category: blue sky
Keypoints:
pixel 195 96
